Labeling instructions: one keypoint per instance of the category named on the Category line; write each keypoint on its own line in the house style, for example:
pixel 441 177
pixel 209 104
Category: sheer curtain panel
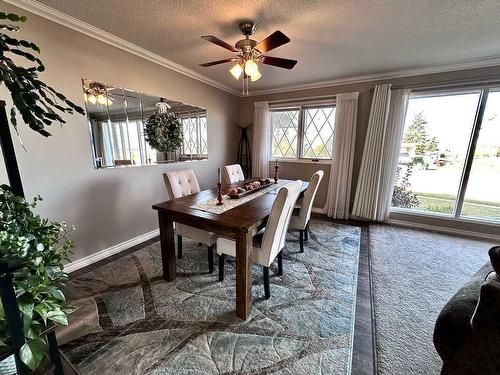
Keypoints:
pixel 261 139
pixel 339 188
pixel 380 153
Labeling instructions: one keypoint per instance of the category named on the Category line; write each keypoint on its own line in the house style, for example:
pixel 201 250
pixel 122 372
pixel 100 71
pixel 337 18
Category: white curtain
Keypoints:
pixel 392 146
pixel 339 188
pixel 380 153
pixel 261 139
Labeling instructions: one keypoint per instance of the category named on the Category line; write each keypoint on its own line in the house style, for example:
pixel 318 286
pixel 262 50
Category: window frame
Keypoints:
pixel 199 155
pixel 456 214
pixel 301 107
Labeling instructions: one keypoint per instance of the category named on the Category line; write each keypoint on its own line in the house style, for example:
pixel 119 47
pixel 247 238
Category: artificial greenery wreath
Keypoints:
pixel 163 132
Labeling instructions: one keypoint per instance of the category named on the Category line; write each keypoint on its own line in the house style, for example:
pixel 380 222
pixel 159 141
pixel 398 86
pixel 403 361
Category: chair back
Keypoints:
pixel 181 183
pixel 279 219
pixel 308 200
pixel 233 173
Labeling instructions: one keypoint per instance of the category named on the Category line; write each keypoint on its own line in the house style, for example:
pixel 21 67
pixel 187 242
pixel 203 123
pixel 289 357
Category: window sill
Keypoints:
pixel 302 161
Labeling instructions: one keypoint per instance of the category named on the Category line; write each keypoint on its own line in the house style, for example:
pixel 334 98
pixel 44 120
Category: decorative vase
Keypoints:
pixel 8 366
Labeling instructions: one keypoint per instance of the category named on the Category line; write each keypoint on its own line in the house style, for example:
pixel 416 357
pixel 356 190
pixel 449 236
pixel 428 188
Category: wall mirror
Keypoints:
pixel 117 119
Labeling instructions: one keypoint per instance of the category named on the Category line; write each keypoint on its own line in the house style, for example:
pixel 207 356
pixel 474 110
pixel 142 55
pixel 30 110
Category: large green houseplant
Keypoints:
pixel 42 245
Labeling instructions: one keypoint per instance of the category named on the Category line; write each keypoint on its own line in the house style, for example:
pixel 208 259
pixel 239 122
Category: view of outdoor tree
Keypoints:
pixel 434 149
pixel 417 134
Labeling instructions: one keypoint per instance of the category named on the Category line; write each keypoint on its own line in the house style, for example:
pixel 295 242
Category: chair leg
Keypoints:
pixel 306 237
pixel 210 258
pixel 221 267
pixel 280 263
pixel 301 240
pixel 267 291
pixel 179 247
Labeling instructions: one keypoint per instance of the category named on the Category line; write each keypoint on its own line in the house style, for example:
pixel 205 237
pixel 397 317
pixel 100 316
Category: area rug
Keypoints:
pixel 130 321
pixel 414 274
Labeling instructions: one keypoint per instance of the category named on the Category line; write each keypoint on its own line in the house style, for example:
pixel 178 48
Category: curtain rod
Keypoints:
pixel 476 81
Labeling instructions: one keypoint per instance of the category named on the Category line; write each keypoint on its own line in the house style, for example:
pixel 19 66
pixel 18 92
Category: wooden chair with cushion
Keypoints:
pixel 179 184
pixel 233 173
pixel 269 242
pixel 300 221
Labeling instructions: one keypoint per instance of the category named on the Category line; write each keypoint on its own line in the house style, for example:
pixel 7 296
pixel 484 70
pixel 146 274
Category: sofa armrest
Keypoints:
pixel 486 316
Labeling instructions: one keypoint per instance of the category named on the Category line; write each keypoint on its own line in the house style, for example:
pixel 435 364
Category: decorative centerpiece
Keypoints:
pixel 248 188
pixel 163 130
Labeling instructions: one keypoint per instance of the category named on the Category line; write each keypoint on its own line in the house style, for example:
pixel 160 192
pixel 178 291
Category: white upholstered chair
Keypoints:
pixel 233 173
pixel 300 221
pixel 179 184
pixel 268 243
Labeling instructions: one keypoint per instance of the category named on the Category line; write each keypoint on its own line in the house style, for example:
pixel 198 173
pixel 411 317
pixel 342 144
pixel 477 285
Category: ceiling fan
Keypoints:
pixel 249 53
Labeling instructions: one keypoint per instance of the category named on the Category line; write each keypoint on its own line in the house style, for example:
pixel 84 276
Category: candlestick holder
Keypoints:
pixel 219 194
pixel 276 174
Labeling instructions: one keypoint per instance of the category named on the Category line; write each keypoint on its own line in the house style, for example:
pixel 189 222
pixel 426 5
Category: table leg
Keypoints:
pixel 243 275
pixel 168 259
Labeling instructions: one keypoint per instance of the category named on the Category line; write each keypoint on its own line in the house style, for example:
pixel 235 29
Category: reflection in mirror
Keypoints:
pixel 116 121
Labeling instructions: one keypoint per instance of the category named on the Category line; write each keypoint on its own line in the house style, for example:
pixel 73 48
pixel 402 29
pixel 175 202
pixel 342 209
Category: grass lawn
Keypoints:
pixel 442 203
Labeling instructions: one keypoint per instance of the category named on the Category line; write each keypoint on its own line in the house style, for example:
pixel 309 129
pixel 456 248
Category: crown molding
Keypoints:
pixel 71 22
pixel 483 62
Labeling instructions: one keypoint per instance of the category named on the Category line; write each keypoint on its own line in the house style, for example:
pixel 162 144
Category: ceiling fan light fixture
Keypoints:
pixel 236 71
pixel 101 99
pixel 256 76
pixel 251 68
pixel 91 98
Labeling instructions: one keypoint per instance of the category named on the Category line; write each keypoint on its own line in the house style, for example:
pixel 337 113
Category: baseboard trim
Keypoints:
pixel 103 254
pixel 435 228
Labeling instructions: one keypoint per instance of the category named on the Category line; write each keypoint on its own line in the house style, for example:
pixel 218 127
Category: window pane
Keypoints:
pixel 190 134
pixel 203 135
pixel 482 198
pixel 285 124
pixel 318 132
pixel 433 151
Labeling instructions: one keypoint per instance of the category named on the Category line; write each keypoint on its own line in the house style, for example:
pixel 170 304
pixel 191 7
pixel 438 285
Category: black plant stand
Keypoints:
pixel 244 158
pixel 7 292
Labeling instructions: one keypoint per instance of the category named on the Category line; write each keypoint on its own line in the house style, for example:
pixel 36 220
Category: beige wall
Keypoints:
pixel 304 171
pixel 110 206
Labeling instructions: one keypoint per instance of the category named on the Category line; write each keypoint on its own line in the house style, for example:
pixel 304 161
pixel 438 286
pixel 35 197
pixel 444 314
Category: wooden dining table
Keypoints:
pixel 239 222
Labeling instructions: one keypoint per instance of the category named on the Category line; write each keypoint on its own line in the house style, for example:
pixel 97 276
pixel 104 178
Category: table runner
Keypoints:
pixel 211 204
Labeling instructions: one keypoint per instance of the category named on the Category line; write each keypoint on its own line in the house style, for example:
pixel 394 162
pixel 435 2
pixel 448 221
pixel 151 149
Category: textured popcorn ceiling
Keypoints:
pixel 330 39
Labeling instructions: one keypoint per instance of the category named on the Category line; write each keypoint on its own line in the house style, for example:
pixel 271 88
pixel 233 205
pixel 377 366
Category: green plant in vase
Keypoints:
pixel 43 245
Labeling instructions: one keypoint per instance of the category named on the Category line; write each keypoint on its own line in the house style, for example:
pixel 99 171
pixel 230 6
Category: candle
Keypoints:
pixel 219 175
pixel 276 163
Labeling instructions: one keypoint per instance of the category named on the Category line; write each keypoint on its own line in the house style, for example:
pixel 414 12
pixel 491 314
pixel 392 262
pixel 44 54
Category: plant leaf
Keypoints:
pixel 58 316
pixel 31 353
pixel 56 293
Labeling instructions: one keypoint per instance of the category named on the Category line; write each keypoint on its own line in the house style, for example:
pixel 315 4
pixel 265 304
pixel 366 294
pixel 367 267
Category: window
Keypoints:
pixel 304 132
pixel 195 135
pixel 449 161
pixel 285 125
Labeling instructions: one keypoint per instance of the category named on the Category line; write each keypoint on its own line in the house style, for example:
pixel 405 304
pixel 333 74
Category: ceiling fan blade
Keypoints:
pixel 219 42
pixel 279 62
pixel 273 41
pixel 218 62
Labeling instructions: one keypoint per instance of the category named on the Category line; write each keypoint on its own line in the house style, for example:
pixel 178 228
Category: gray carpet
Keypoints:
pixel 130 321
pixel 414 274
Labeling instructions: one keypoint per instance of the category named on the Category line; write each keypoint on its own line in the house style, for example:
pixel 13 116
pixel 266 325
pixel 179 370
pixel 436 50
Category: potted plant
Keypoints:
pixel 41 245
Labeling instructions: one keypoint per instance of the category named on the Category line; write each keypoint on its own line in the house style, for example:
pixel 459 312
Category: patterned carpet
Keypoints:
pixel 130 321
